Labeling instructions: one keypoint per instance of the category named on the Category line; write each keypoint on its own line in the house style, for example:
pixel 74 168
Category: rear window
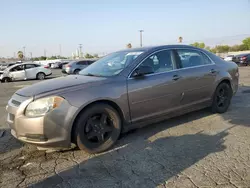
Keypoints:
pixel 82 63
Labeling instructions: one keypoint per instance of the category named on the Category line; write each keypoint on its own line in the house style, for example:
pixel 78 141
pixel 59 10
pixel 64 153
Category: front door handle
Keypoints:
pixel 213 71
pixel 176 77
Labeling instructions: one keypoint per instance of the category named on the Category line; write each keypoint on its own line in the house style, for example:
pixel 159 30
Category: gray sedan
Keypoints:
pixel 122 91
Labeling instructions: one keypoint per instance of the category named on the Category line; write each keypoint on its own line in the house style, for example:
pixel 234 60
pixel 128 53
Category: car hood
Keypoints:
pixel 59 84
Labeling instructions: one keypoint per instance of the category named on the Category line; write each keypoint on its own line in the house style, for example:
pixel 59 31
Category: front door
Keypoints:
pixel 157 93
pixel 30 70
pixel 198 75
pixel 17 72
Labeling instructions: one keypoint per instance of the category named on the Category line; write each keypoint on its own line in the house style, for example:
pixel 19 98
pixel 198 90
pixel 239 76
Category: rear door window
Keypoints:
pixel 30 66
pixel 192 58
pixel 82 63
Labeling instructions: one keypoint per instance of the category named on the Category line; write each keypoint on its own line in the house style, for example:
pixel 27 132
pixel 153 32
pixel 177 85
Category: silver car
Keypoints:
pixel 75 67
pixel 122 91
pixel 24 71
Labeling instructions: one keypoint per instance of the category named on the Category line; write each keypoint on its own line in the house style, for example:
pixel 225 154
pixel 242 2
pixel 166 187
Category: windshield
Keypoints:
pixel 111 65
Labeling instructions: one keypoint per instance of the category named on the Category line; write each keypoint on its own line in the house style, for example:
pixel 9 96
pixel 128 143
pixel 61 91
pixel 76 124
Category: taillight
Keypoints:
pixel 46 67
pixel 68 65
pixel 244 58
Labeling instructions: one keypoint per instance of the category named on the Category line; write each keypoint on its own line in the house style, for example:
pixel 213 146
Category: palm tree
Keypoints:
pixel 180 39
pixel 20 54
pixel 129 45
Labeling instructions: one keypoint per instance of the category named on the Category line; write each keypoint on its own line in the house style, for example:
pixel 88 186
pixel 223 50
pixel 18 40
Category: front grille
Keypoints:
pixel 15 103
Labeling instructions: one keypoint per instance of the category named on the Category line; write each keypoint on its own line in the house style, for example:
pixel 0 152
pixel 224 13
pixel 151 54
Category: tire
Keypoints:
pixel 85 127
pixel 6 79
pixel 221 102
pixel 77 71
pixel 40 76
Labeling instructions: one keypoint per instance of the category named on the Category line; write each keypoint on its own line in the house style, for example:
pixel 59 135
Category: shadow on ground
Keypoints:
pixel 145 164
pixel 137 160
pixel 238 113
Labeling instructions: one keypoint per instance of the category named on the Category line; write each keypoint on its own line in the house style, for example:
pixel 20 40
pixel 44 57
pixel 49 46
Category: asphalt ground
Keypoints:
pixel 199 149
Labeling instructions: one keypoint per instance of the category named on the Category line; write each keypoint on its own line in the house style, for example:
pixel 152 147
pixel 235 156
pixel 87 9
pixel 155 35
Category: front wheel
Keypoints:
pixel 6 79
pixel 97 128
pixel 222 98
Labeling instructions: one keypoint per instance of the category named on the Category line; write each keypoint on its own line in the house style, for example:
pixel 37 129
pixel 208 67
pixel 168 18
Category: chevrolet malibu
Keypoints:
pixel 122 91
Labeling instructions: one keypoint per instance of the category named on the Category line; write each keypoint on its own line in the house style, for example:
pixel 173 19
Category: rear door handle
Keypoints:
pixel 213 71
pixel 176 77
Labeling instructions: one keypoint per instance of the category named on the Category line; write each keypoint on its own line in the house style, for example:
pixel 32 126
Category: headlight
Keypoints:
pixel 42 106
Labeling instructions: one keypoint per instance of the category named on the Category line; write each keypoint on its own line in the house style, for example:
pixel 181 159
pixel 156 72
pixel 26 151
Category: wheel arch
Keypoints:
pixel 40 72
pixel 103 101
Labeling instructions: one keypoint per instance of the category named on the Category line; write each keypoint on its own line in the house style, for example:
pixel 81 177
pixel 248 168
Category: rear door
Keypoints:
pixel 154 94
pixel 17 72
pixel 198 74
pixel 30 70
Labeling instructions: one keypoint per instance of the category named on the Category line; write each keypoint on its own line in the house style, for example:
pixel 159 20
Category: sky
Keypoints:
pixel 103 26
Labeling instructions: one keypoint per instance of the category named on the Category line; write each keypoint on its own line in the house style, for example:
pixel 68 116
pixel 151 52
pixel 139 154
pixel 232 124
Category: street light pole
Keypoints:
pixel 24 52
pixel 44 53
pixel 80 50
pixel 141 31
pixel 60 50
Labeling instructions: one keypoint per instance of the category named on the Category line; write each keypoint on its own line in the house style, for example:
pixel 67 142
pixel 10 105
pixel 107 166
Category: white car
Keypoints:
pixel 229 58
pixel 25 71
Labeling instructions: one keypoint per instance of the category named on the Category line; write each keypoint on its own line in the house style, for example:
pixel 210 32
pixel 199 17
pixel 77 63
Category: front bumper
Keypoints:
pixel 52 130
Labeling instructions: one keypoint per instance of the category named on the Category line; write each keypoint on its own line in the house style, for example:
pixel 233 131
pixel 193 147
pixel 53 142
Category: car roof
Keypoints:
pixel 239 55
pixel 149 48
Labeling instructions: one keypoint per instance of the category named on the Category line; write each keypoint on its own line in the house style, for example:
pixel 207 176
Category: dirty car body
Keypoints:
pixel 152 84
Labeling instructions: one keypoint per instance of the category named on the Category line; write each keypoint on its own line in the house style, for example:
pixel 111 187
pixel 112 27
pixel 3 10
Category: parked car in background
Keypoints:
pixel 25 71
pixel 242 59
pixel 120 92
pixel 229 58
pixel 5 65
pixel 60 66
pixel 75 67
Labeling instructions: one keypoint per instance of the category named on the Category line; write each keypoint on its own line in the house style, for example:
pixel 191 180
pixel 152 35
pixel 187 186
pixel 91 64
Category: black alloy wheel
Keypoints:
pixel 97 128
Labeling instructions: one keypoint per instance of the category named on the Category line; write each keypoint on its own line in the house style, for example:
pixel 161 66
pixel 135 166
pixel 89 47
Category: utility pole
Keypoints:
pixel 141 31
pixel 24 52
pixel 60 50
pixel 80 50
pixel 44 53
pixel 30 55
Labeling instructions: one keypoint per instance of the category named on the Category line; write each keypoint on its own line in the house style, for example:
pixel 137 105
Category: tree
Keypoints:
pixel 52 58
pixel 96 56
pixel 42 58
pixel 246 43
pixel 222 48
pixel 20 55
pixel 129 45
pixel 88 56
pixel 180 39
pixel 35 59
pixel 198 45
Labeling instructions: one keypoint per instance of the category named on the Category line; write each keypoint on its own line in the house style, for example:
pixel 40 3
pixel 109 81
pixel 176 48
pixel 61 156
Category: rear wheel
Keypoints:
pixel 40 76
pixel 222 98
pixel 97 128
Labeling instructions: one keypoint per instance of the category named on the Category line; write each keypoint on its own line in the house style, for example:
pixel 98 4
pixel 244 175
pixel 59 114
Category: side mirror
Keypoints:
pixel 143 70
